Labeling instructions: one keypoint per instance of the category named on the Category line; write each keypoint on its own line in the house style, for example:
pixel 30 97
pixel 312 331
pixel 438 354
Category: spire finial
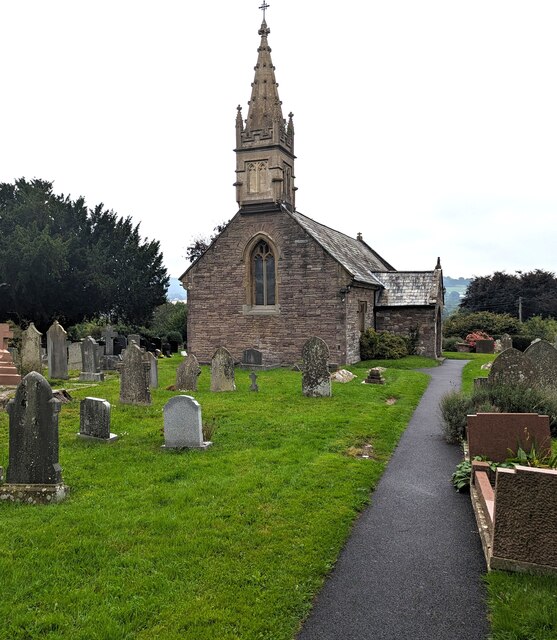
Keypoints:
pixel 264 7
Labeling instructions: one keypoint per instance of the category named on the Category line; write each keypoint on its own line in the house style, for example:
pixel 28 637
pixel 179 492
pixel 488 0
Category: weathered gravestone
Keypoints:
pixel 506 342
pixel 316 380
pixel 222 371
pixel 57 350
pixel 31 359
pixel 375 376
pixel 94 420
pixel 91 362
pixel 187 373
pixel 34 474
pixel 153 371
pixel 512 367
pixel 485 346
pixel 120 344
pixel 134 337
pixel 544 356
pixel 254 386
pixel 182 424
pixel 75 361
pixel 8 371
pixel 108 335
pixel 252 358
pixel 134 385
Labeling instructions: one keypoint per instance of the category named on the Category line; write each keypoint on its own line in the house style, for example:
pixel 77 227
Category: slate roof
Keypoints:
pixel 360 260
pixel 409 288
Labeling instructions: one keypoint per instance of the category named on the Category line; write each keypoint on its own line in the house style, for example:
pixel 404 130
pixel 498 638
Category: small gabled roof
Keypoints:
pixel 410 288
pixel 359 259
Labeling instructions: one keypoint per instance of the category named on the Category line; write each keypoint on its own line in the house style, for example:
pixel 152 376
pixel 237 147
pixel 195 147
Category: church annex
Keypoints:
pixel 274 278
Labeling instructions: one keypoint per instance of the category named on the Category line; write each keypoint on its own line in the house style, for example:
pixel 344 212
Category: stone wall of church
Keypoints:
pixel 356 296
pixel 402 320
pixel 309 302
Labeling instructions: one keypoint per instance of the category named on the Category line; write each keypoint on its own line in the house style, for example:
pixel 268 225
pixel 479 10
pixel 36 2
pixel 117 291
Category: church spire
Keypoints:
pixel 264 106
pixel 265 143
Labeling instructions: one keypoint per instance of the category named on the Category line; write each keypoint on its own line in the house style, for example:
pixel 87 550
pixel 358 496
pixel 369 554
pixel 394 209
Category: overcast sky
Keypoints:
pixel 430 127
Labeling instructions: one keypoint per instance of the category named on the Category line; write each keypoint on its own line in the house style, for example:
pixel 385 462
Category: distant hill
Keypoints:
pixel 175 291
pixel 455 288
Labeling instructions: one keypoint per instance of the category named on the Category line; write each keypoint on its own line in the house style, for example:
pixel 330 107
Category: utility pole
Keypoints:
pixel 520 308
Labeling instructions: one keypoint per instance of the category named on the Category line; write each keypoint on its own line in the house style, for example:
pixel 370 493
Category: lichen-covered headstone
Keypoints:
pixel 187 374
pixel 94 420
pixel 182 424
pixel 34 474
pixel 316 380
pixel 134 337
pixel 222 371
pixel 91 371
pixel 544 356
pixel 134 385
pixel 31 359
pixel 57 349
pixel 506 342
pixel 512 367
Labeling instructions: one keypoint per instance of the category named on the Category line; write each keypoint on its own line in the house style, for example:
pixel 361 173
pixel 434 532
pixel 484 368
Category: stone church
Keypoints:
pixel 274 277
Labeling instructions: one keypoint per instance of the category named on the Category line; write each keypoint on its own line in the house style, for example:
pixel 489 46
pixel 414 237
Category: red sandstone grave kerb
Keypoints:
pixel 517 491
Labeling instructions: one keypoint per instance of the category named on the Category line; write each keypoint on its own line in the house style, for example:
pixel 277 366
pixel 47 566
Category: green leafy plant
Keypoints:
pixel 454 408
pixel 382 345
pixel 461 476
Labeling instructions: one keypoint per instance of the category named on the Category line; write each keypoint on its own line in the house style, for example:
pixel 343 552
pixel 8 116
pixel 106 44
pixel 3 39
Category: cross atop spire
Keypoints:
pixel 264 7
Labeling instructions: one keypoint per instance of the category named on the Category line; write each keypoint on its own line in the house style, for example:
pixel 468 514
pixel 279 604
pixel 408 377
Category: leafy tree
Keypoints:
pixel 535 292
pixel 169 318
pixel 538 327
pixel 61 260
pixel 461 323
pixel 200 244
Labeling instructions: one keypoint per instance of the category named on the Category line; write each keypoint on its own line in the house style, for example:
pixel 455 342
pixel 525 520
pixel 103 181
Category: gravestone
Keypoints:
pixel 506 342
pixel 108 335
pixel 375 376
pixel 254 386
pixel 252 357
pixel 134 337
pixel 134 386
pixel 316 380
pixel 187 374
pixel 75 360
pixel 34 474
pixel 512 367
pixel 497 436
pixel 544 356
pixel 119 344
pixel 94 420
pixel 57 351
pixel 485 346
pixel 31 359
pixel 222 371
pixel 153 370
pixel 91 362
pixel 8 372
pixel 182 424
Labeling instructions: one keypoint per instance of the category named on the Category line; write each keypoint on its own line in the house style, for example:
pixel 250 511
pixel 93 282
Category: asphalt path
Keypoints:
pixel 412 566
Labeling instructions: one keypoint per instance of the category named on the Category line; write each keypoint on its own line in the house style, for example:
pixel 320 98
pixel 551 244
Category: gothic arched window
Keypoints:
pixel 263 274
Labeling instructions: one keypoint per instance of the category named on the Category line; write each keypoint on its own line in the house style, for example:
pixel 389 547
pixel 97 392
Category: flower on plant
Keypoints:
pixel 473 337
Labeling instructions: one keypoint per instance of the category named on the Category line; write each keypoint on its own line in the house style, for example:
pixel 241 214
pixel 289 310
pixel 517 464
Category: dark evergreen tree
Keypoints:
pixel 198 247
pixel 60 260
pixel 533 293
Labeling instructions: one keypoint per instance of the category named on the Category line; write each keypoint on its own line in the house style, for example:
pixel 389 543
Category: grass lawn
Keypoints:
pixel 228 543
pixel 522 607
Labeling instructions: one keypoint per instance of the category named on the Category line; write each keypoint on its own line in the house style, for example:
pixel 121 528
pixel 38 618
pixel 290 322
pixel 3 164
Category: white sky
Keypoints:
pixel 430 126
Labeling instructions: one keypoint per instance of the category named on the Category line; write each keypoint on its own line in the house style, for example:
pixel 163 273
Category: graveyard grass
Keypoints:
pixel 521 606
pixel 228 543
